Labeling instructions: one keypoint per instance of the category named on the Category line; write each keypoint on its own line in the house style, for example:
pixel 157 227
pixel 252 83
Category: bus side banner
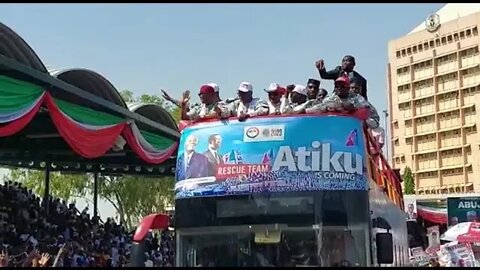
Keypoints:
pixel 271 154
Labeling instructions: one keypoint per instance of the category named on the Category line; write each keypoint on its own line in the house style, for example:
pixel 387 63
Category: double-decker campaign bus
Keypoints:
pixel 289 190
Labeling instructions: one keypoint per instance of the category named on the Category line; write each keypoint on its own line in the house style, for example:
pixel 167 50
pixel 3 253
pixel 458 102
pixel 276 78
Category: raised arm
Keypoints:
pixel 324 74
pixel 184 106
pixel 166 96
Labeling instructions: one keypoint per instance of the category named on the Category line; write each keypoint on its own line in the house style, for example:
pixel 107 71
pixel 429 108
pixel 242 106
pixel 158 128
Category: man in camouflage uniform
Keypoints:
pixel 297 99
pixel 178 103
pixel 246 106
pixel 343 100
pixel 315 94
pixel 276 99
pixel 210 107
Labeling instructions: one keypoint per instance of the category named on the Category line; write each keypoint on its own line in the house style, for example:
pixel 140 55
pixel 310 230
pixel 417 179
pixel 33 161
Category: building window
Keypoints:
pixel 444 41
pixel 432 44
pixel 420 47
pixel 462 34
pixel 409 50
pixel 475 31
pixel 404 53
pixel 398 54
pixel 469 33
pixel 455 36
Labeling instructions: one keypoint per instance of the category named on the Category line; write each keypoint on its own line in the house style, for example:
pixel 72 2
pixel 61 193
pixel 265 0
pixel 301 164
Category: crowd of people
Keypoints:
pixel 31 236
pixel 348 95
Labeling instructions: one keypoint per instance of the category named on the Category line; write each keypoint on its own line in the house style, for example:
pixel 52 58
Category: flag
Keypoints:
pixel 265 159
pixel 352 138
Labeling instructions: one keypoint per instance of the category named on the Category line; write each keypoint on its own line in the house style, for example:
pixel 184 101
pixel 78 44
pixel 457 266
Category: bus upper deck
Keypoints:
pixel 377 167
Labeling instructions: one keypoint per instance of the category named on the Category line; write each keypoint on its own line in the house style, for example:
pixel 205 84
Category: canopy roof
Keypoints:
pixel 75 119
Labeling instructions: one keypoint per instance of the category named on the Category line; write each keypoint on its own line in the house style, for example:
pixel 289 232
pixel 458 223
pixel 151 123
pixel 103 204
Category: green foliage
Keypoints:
pixel 134 197
pixel 175 111
pixel 408 181
pixel 62 186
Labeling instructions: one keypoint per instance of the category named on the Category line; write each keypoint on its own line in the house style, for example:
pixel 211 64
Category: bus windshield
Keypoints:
pixel 316 229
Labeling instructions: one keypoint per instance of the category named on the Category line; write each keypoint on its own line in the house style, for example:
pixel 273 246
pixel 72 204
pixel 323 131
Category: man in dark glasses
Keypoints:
pixel 313 88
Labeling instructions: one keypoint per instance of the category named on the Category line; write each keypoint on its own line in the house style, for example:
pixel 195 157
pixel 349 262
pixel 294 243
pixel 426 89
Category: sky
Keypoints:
pixel 148 47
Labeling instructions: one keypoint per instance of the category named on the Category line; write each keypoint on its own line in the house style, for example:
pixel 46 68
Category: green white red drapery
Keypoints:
pixel 88 132
pixel 433 214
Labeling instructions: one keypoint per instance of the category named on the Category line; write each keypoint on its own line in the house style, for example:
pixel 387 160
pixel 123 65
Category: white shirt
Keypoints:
pixel 237 107
pixel 188 157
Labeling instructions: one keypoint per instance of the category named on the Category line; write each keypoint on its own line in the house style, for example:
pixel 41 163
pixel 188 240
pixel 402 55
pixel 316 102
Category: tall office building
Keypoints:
pixel 434 94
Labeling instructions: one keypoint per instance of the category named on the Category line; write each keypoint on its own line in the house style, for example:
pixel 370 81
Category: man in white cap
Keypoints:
pixel 276 98
pixel 247 106
pixel 217 97
pixel 298 97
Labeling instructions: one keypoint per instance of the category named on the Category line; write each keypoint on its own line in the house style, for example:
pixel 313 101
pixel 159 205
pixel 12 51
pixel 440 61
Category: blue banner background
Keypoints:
pixel 344 134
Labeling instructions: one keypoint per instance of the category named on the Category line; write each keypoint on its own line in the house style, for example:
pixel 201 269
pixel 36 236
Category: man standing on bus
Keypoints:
pixel 215 86
pixel 377 133
pixel 346 69
pixel 344 100
pixel 247 106
pixel 210 107
pixel 190 163
pixel 313 89
pixel 297 97
pixel 314 93
pixel 276 99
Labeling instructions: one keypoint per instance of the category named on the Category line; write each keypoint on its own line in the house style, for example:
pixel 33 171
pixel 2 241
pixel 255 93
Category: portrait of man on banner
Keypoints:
pixel 411 210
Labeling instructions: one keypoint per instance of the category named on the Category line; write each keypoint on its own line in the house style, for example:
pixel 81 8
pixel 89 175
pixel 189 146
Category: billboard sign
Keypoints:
pixel 271 154
pixel 463 209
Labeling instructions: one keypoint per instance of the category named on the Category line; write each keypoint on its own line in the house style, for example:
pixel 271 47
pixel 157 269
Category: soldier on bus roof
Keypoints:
pixel 314 93
pixel 209 107
pixel 313 88
pixel 178 103
pixel 247 106
pixel 276 99
pixel 377 133
pixel 297 97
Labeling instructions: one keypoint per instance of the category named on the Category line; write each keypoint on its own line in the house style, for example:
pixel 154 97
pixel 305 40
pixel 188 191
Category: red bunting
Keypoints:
pixel 85 142
pixel 154 158
pixel 17 125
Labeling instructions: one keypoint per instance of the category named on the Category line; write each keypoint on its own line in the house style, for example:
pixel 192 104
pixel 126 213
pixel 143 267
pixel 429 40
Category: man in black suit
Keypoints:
pixel 213 157
pixel 191 164
pixel 348 63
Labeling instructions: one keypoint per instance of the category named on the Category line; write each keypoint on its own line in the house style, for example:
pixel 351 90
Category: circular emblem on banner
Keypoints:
pixel 252 132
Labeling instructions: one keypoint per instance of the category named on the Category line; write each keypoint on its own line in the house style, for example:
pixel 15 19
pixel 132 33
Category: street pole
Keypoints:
pixel 387 132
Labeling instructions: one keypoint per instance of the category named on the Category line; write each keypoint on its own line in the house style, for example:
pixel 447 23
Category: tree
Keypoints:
pixel 135 197
pixel 128 96
pixel 408 181
pixel 63 186
pixel 132 196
